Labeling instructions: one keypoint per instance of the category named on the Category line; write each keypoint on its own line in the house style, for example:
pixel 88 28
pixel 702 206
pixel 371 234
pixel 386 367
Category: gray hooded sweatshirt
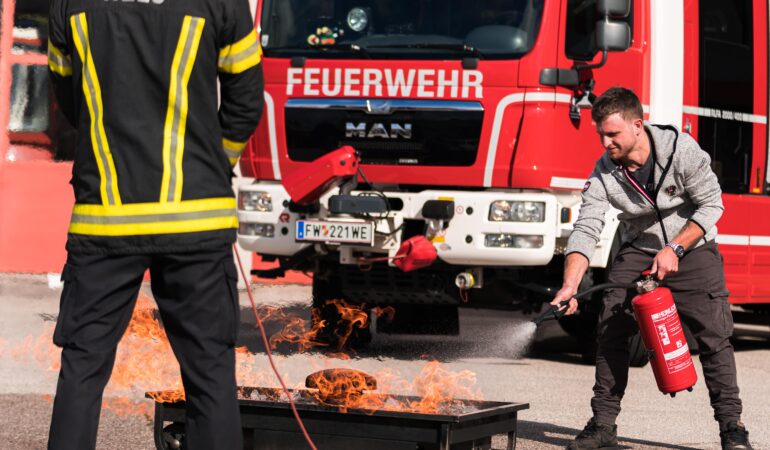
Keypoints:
pixel 688 190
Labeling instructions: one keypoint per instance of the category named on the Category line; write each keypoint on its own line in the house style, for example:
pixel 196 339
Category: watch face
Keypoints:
pixel 678 249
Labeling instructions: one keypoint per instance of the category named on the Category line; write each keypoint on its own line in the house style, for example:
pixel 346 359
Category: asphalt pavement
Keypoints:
pixel 547 374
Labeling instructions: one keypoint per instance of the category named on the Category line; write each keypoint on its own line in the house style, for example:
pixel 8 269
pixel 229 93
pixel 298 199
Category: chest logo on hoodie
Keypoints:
pixel 586 186
pixel 671 190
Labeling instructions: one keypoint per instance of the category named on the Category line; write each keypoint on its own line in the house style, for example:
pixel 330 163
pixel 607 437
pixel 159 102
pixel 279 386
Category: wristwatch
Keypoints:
pixel 678 249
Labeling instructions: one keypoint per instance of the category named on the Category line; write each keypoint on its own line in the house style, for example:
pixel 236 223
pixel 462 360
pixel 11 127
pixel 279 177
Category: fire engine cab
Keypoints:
pixel 483 107
pixel 36 144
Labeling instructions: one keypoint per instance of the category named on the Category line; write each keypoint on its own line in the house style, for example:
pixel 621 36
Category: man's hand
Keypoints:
pixel 665 262
pixel 566 293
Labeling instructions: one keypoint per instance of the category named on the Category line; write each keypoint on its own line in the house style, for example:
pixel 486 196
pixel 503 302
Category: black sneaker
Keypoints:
pixel 596 435
pixel 735 437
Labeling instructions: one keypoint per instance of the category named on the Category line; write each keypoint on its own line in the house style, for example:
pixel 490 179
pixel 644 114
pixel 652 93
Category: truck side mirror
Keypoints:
pixel 614 9
pixel 613 36
pixel 613 33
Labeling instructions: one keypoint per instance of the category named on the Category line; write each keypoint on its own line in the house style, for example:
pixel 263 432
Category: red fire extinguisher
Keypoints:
pixel 660 328
pixel 663 337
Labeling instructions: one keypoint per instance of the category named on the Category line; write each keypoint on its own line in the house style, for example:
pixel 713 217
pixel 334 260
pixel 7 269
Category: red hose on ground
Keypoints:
pixel 267 350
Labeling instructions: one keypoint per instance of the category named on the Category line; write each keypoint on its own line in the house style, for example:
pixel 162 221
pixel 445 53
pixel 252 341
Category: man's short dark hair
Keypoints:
pixel 617 100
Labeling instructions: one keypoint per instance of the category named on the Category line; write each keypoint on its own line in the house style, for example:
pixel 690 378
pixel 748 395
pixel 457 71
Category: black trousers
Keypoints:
pixel 198 301
pixel 701 299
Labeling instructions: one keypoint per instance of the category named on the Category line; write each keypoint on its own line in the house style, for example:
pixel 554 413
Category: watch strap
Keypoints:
pixel 677 248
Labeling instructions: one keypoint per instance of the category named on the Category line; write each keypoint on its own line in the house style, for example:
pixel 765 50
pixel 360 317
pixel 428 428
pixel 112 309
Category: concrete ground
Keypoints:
pixel 549 376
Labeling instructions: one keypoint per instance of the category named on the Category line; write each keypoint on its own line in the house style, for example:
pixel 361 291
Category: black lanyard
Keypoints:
pixel 652 196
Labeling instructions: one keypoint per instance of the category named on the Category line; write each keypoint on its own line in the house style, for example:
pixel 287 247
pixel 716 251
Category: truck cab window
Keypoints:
pixel 34 118
pixel 29 99
pixel 424 29
pixel 727 86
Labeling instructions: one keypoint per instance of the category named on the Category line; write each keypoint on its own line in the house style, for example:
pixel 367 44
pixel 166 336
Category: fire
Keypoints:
pixel 144 358
pixel 437 389
pixel 146 363
pixel 307 334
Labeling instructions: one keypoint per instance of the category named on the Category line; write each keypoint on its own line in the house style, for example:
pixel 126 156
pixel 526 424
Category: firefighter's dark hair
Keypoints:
pixel 617 100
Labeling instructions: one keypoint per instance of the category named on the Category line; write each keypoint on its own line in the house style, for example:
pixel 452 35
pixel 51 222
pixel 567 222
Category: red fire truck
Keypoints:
pixel 36 142
pixel 484 107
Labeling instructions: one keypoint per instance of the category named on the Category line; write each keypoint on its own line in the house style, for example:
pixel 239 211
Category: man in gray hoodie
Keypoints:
pixel 670 201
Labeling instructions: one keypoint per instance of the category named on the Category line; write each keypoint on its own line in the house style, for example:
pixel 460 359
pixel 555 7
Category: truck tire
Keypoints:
pixel 582 324
pixel 332 334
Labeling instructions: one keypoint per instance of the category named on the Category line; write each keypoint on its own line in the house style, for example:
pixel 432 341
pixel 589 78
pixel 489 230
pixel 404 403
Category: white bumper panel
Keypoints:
pixel 601 255
pixel 462 242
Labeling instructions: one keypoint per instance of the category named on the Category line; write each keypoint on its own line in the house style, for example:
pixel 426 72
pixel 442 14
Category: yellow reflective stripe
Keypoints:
pixel 234 146
pixel 108 184
pixel 176 113
pixel 154 218
pixel 233 150
pixel 139 209
pixel 58 62
pixel 241 56
pixel 187 226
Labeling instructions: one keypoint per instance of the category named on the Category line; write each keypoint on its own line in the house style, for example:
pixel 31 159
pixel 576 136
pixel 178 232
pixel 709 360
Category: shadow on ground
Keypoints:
pixel 547 433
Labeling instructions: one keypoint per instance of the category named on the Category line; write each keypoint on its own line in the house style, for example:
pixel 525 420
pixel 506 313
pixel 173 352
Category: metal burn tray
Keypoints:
pixel 268 423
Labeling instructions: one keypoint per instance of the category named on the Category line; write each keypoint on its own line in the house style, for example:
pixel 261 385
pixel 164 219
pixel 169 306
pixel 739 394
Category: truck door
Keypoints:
pixel 35 199
pixel 725 96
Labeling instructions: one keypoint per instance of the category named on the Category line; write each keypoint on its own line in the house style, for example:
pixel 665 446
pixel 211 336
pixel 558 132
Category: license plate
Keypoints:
pixel 335 232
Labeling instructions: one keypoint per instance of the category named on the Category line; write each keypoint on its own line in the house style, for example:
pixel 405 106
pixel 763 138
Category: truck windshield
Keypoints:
pixel 397 29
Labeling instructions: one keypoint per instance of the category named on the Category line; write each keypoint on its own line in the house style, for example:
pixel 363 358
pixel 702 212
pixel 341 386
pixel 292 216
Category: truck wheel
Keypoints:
pixel 336 333
pixel 637 356
pixel 582 325
pixel 172 437
pixel 637 353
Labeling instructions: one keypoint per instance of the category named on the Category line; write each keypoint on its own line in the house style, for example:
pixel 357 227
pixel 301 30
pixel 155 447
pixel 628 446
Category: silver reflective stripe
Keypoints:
pixel 232 60
pixel 724 114
pixel 91 92
pixel 58 61
pixel 180 87
pixel 152 218
pixel 378 106
pixel 233 153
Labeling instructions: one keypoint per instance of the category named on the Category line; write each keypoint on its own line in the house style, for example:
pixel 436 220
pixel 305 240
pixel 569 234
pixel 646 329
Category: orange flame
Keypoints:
pixel 438 389
pixel 145 363
pixel 306 334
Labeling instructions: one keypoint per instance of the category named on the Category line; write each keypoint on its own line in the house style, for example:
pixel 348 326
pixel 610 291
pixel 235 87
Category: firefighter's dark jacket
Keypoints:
pixel 138 79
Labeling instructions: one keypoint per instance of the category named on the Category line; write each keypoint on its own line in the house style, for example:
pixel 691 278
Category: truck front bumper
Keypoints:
pixel 462 240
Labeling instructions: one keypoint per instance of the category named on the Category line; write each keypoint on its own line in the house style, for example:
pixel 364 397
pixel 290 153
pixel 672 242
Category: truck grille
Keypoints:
pixel 394 132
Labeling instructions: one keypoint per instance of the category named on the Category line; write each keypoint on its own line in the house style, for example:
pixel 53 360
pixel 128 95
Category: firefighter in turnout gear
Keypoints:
pixel 164 95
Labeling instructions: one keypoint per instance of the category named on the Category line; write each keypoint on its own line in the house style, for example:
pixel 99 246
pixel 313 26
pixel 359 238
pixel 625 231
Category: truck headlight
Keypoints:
pixel 513 241
pixel 255 201
pixel 256 229
pixel 505 211
pixel 358 19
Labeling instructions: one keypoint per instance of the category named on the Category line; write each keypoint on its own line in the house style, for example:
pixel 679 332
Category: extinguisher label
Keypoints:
pixel 672 340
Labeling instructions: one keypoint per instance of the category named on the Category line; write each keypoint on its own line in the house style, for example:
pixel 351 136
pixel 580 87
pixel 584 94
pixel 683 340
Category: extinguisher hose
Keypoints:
pixel 555 312
pixel 263 334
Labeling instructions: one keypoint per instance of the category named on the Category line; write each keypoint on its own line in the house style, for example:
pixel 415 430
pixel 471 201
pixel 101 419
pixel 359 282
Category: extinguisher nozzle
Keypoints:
pixel 554 312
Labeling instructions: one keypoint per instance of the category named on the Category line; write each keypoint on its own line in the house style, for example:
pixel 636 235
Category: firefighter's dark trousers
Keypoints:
pixel 197 297
pixel 701 299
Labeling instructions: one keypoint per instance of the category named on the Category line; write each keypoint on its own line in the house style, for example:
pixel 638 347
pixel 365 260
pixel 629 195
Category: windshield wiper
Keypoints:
pixel 464 48
pixel 342 46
